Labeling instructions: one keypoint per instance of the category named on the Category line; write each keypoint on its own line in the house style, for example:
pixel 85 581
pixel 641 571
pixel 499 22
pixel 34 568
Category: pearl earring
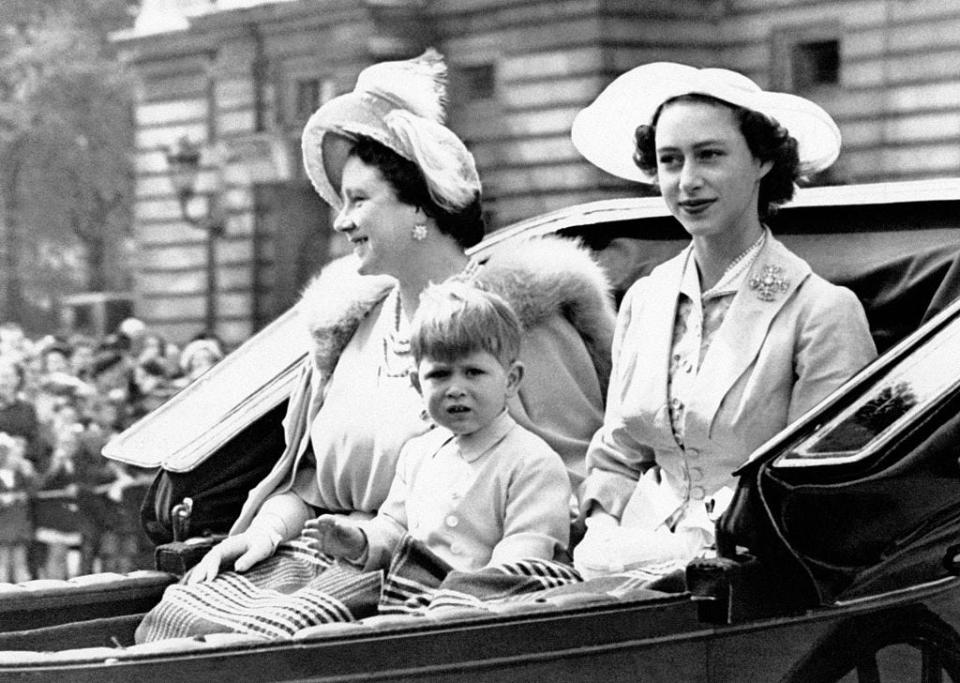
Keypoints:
pixel 419 232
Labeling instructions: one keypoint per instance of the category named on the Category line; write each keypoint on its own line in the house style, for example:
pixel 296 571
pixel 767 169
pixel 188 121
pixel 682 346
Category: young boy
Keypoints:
pixel 479 489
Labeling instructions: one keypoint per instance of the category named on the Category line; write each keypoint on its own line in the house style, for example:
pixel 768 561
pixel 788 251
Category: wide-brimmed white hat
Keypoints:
pixel 604 132
pixel 399 104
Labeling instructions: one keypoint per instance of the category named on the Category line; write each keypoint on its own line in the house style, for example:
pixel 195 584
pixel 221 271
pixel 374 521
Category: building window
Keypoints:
pixel 308 94
pixel 815 63
pixel 806 58
pixel 307 97
pixel 479 81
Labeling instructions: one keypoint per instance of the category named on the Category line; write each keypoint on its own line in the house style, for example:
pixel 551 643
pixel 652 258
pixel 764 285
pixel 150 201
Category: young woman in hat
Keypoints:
pixel 724 345
pixel 407 196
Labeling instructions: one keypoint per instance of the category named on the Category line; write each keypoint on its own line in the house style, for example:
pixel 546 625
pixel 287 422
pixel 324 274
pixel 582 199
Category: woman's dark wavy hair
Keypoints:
pixel 766 139
pixel 465 226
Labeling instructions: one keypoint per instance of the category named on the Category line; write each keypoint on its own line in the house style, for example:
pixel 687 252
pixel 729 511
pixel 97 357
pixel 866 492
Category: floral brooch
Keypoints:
pixel 769 283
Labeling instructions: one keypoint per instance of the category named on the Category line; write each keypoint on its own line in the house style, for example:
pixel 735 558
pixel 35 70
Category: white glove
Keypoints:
pixel 607 549
pixel 247 549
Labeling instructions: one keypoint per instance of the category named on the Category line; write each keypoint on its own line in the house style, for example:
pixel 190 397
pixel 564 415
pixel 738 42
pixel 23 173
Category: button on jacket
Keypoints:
pixel 498 495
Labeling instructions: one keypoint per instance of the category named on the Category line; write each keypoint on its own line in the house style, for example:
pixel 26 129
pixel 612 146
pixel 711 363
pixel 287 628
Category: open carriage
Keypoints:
pixel 838 556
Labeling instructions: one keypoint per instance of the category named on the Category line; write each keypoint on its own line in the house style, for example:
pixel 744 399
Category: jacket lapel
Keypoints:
pixel 655 341
pixel 771 282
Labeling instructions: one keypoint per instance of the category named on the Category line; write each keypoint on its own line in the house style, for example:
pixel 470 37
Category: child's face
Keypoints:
pixel 467 394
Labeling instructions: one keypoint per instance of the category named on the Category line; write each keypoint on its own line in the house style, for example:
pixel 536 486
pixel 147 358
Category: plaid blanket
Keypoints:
pixel 419 582
pixel 291 590
pixel 297 588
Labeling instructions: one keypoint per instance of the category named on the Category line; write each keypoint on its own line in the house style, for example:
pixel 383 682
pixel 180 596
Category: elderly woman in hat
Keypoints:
pixel 407 197
pixel 724 345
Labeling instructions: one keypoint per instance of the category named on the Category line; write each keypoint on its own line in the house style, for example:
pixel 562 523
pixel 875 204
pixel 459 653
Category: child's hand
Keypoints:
pixel 333 535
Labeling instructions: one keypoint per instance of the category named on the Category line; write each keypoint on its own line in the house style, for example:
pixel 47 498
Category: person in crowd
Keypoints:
pixel 18 417
pixel 112 376
pixel 155 347
pixel 81 359
pixel 55 387
pixel 153 387
pixel 17 479
pixel 56 357
pixel 74 511
pixel 117 490
pixel 509 488
pixel 197 357
pixel 407 197
pixel 13 341
pixel 59 525
pixel 106 417
pixel 133 332
pixel 724 345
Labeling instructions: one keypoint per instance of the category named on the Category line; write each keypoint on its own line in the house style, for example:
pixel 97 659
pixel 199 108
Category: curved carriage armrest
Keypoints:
pixel 734 590
pixel 179 556
pixel 47 602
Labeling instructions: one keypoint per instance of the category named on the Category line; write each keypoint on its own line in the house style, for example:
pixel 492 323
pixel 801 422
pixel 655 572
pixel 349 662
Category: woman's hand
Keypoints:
pixel 592 555
pixel 601 519
pixel 333 535
pixel 246 549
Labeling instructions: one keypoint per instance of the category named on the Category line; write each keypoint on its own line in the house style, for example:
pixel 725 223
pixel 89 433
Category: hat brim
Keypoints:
pixel 330 133
pixel 604 132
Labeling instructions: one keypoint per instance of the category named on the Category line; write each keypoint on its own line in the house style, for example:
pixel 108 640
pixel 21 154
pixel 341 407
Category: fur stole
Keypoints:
pixel 545 276
pixel 540 277
pixel 333 305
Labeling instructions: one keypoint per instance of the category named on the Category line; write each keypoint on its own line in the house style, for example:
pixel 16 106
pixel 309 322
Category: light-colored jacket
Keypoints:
pixel 782 347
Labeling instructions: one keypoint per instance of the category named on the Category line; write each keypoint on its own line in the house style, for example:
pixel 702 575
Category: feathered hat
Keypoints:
pixel 401 105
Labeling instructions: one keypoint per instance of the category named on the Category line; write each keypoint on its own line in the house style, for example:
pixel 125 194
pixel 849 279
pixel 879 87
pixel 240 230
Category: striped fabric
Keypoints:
pixel 293 589
pixel 414 577
pixel 297 588
pixel 419 582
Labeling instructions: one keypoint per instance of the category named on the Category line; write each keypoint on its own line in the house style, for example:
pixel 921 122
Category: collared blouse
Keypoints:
pixel 699 316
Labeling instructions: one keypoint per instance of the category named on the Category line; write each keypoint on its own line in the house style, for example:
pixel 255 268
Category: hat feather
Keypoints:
pixel 418 85
pixel 447 165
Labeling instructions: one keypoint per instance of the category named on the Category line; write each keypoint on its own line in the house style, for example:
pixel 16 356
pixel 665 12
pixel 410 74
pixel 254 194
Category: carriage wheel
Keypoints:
pixel 854 650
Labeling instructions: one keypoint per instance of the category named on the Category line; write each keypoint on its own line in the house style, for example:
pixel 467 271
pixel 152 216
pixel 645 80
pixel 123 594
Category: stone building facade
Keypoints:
pixel 240 77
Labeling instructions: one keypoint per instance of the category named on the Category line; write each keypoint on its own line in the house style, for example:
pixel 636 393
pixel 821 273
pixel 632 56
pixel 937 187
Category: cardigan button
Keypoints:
pixel 452 521
pixel 698 493
pixel 693 453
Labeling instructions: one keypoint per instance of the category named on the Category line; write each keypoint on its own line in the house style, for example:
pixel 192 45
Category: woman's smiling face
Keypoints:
pixel 375 222
pixel 707 175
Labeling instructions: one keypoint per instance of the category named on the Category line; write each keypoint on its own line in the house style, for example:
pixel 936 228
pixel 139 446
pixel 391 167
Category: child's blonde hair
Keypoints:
pixel 458 318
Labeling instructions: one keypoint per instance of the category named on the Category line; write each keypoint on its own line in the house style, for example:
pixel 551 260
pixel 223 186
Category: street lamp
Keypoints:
pixel 183 164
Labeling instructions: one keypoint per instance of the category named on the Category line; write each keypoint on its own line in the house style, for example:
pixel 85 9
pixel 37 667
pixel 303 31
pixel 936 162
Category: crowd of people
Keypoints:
pixel 64 508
